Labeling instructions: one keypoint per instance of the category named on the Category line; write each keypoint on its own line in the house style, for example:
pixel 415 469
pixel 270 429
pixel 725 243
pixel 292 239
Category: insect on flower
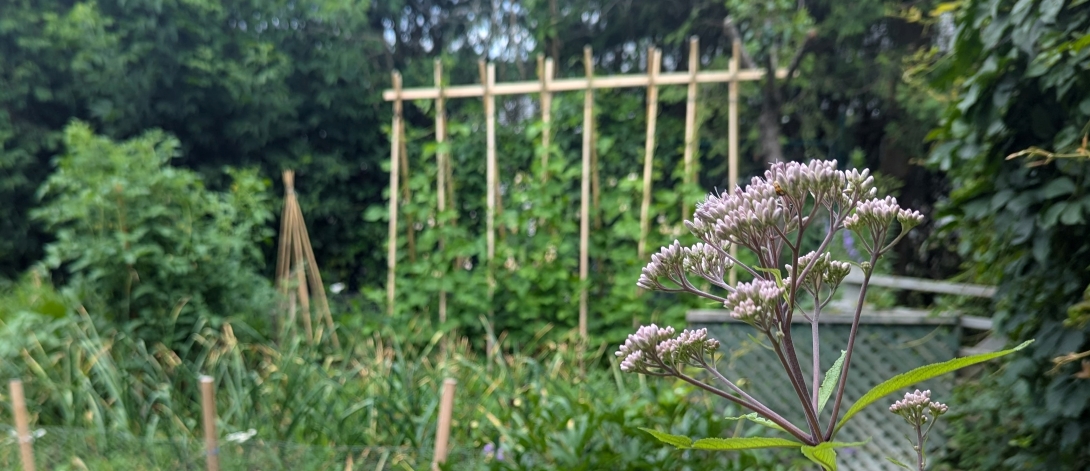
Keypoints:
pixel 779 189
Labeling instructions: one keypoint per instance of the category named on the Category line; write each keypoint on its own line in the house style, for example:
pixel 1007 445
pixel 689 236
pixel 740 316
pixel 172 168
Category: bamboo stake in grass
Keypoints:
pixel 584 203
pixel 654 63
pixel 22 425
pixel 732 136
pixel 208 414
pixel 690 120
pixel 395 147
pixel 442 433
pixel 441 165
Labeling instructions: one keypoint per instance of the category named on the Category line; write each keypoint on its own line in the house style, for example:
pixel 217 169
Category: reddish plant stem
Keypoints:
pixel 851 347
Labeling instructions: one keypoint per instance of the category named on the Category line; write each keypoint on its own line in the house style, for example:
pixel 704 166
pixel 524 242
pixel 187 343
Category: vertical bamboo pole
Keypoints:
pixel 654 59
pixel 395 160
pixel 545 67
pixel 441 174
pixel 301 281
pixel 22 425
pixel 442 433
pixel 208 414
pixel 488 78
pixel 732 136
pixel 584 202
pixel 407 195
pixel 690 120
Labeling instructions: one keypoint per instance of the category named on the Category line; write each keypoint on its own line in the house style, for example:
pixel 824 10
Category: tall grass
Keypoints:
pixel 373 402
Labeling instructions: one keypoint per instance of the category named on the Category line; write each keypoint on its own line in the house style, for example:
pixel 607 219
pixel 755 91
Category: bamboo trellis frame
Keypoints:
pixel 546 86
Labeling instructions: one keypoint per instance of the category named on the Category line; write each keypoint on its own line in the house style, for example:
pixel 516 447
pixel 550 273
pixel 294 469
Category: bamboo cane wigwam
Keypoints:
pixel 545 86
pixel 297 275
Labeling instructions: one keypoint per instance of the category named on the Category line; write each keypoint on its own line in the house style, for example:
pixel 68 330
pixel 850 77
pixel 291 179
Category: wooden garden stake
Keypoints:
pixel 545 68
pixel 441 165
pixel 395 147
pixel 654 60
pixel 690 119
pixel 407 195
pixel 584 202
pixel 208 414
pixel 22 425
pixel 488 77
pixel 732 137
pixel 442 433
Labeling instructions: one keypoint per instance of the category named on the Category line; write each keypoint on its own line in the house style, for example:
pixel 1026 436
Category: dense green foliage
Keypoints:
pixel 1018 71
pixel 164 240
pixel 273 84
pixel 379 390
pixel 146 244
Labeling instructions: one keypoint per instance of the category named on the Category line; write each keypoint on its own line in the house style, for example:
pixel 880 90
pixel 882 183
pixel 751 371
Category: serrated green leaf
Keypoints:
pixel 829 383
pixel 917 375
pixel 678 441
pixel 747 443
pixel 822 454
pixel 757 419
pixel 847 444
pixel 898 463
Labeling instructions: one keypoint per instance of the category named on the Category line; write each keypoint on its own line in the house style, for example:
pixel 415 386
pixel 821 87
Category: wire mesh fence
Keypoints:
pixel 75 449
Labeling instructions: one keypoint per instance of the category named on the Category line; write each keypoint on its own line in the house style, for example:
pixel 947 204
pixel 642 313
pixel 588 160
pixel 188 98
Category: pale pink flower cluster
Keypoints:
pixel 878 214
pixel 654 350
pixel 818 178
pixel 826 271
pixel 673 261
pixel 755 302
pixel 915 406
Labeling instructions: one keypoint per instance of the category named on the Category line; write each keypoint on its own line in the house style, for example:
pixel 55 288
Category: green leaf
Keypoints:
pixel 898 463
pixel 677 441
pixel 1058 187
pixel 917 375
pixel 829 383
pixel 755 418
pixel 821 454
pixel 748 443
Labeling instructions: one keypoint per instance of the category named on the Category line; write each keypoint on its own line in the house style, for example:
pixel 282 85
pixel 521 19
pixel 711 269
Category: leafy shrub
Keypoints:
pixel 1017 73
pixel 145 243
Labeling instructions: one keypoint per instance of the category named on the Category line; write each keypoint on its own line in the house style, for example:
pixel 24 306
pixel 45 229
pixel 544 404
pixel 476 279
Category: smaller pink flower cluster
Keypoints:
pixel 915 406
pixel 654 350
pixel 756 303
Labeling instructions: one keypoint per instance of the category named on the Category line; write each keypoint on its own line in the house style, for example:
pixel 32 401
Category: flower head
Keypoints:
pixel 639 351
pixel 916 406
pixel 654 350
pixel 825 271
pixel 664 265
pixel 756 302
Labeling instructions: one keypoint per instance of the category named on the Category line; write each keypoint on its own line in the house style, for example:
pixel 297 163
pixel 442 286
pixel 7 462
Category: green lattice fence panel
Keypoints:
pixel 887 344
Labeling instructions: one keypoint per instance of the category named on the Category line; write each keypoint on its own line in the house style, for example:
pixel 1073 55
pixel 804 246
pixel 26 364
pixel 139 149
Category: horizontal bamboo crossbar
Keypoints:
pixel 574 84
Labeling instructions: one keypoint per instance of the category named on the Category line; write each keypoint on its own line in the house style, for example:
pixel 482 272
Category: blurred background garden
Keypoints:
pixel 142 150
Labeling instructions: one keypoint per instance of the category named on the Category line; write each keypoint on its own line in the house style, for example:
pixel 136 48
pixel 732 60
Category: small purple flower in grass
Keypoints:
pixel 492 451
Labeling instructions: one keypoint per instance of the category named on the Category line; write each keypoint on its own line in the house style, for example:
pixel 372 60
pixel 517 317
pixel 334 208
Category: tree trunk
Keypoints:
pixel 769 123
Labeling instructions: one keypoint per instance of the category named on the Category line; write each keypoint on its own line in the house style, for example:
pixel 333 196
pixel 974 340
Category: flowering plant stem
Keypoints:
pixel 770 214
pixel 848 351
